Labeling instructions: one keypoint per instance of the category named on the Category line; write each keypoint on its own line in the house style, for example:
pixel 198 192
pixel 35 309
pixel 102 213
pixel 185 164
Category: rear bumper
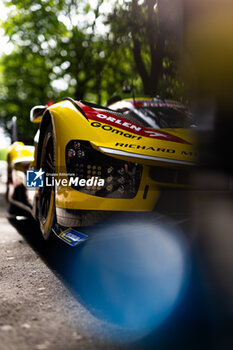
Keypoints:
pixel 145 199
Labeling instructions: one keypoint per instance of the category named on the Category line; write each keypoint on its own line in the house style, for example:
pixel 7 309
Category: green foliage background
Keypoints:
pixel 79 49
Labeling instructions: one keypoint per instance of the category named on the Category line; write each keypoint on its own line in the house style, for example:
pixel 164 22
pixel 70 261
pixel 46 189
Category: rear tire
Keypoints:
pixel 47 208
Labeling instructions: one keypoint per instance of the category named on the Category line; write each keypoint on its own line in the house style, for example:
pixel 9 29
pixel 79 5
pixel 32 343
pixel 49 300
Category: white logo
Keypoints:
pixel 35 178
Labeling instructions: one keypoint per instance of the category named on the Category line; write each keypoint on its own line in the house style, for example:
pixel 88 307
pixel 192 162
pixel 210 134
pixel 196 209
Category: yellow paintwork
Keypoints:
pixel 48 219
pixel 76 200
pixel 18 152
pixel 70 124
pixel 153 147
pixel 19 157
pixel 37 120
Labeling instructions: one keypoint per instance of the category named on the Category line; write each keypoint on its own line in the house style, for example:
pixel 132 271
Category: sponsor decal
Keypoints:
pixel 145 148
pixel 107 127
pixel 155 149
pixel 129 126
pixel 72 237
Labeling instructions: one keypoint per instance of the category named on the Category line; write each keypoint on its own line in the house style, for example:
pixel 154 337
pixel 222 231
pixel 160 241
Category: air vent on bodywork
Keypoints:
pixel 121 178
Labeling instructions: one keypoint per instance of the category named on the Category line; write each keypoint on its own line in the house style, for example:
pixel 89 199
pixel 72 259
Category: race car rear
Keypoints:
pixel 94 161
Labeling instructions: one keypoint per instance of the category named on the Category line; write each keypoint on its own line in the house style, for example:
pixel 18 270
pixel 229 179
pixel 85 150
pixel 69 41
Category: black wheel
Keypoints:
pixel 47 212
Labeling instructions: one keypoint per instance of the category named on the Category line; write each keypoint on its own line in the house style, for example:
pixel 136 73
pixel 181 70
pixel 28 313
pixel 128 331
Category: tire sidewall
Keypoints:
pixel 46 224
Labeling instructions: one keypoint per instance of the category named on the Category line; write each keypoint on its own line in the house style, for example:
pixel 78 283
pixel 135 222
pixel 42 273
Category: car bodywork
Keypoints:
pixel 134 160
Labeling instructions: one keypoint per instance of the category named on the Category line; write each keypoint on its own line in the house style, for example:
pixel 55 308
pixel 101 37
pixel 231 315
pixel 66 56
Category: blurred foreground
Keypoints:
pixel 140 281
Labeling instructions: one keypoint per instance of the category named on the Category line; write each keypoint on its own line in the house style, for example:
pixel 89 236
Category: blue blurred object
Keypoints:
pixel 131 273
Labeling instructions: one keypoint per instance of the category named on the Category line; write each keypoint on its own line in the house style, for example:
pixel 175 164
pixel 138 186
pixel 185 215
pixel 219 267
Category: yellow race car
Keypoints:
pixel 89 160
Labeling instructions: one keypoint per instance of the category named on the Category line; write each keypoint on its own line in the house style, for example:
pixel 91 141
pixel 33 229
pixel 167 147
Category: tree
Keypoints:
pixel 57 53
pixel 59 50
pixel 148 28
pixel 26 71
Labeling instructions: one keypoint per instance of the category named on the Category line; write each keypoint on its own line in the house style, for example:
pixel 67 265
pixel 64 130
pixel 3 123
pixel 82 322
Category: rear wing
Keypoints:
pixel 36 113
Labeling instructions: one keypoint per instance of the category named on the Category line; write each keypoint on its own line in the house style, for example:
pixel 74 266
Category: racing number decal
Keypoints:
pixel 154 133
